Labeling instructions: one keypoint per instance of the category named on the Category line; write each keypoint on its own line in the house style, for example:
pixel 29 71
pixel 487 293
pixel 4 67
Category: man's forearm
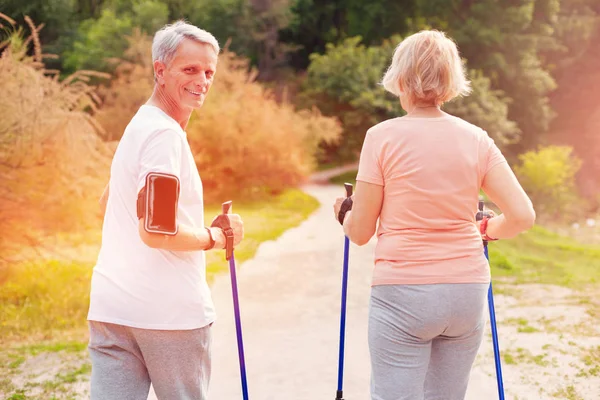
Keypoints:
pixel 186 239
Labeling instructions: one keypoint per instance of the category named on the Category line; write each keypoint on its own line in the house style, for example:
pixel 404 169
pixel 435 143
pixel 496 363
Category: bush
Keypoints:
pixel 548 177
pixel 248 145
pixel 52 163
pixel 131 86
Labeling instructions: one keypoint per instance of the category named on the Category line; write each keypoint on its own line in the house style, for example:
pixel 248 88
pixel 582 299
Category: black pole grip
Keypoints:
pixel 349 189
pixel 481 213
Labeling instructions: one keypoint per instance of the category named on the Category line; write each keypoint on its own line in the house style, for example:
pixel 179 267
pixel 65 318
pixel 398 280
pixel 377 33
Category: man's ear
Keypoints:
pixel 159 72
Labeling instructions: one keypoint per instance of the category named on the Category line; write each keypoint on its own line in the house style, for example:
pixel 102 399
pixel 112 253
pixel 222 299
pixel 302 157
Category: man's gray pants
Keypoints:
pixel 423 339
pixel 126 360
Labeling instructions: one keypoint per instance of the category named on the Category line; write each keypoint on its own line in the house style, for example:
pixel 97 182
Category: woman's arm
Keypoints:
pixel 360 223
pixel 503 188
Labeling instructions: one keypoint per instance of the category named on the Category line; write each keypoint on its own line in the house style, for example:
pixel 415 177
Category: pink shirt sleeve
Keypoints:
pixel 369 167
pixel 491 155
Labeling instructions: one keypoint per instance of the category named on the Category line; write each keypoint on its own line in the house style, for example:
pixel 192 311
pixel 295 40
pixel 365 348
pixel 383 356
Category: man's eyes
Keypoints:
pixel 209 74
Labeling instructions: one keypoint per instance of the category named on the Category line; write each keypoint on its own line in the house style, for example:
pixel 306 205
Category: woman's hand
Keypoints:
pixel 337 205
pixel 491 215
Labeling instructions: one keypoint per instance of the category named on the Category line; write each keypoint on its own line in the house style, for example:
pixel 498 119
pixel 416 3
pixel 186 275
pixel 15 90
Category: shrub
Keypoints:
pixel 548 176
pixel 130 88
pixel 246 144
pixel 52 163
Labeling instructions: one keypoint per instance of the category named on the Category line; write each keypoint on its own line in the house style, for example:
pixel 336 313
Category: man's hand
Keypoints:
pixel 237 225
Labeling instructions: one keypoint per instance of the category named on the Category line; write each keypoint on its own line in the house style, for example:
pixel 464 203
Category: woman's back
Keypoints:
pixel 432 170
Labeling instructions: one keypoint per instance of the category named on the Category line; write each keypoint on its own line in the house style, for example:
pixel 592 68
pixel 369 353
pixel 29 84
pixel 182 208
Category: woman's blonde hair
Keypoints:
pixel 427 68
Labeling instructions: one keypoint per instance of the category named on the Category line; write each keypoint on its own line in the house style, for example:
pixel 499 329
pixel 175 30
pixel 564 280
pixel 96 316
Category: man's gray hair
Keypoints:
pixel 168 38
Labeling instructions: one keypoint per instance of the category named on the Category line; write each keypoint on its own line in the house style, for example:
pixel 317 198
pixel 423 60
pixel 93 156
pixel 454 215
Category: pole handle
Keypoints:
pixel 349 189
pixel 227 207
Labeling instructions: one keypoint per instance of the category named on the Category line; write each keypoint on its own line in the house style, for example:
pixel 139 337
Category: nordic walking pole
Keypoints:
pixel 497 360
pixel 223 223
pixel 339 393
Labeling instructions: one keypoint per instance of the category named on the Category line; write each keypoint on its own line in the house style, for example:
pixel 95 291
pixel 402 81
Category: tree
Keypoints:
pixel 513 42
pixel 57 16
pixel 99 40
pixel 106 37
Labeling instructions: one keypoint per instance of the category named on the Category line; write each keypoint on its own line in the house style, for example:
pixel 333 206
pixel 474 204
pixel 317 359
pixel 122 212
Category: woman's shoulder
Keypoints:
pixel 409 124
pixel 384 126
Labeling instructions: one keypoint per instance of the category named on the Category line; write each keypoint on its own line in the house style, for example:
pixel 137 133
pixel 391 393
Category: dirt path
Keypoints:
pixel 290 308
pixel 290 295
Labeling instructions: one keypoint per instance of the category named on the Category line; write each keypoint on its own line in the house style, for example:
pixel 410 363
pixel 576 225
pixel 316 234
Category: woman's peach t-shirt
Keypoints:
pixel 431 170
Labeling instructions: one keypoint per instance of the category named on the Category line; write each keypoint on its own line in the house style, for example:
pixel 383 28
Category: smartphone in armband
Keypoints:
pixel 157 203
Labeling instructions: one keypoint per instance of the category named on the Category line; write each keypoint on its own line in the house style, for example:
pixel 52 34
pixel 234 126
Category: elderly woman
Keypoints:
pixel 420 175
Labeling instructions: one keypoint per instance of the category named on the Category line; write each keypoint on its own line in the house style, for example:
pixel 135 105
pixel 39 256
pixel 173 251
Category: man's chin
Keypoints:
pixel 195 104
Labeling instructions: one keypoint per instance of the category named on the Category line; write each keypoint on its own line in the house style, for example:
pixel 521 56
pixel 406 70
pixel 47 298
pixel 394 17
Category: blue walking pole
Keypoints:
pixel 497 360
pixel 226 209
pixel 339 393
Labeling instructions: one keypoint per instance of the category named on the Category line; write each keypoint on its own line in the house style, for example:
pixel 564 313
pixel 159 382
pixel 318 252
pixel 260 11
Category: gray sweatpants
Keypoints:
pixel 125 360
pixel 423 339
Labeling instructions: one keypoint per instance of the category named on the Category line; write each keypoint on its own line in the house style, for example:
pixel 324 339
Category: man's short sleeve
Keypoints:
pixel 160 153
pixel 369 167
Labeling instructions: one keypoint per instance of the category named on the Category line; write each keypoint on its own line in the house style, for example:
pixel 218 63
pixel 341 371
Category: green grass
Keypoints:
pixel 43 300
pixel 540 256
pixel 262 222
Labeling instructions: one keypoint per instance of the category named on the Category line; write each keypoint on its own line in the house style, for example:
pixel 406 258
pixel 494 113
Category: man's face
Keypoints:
pixel 189 75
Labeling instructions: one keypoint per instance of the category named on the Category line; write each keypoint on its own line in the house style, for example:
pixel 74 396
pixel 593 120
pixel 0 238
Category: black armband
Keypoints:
pixel 157 203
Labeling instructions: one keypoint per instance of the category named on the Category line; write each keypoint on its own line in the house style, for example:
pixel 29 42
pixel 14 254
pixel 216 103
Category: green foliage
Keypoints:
pixel 227 20
pixel 149 15
pixel 315 23
pixel 345 82
pixel 541 256
pixel 57 15
pixel 100 39
pixel 548 176
pixel 486 108
pixel 515 44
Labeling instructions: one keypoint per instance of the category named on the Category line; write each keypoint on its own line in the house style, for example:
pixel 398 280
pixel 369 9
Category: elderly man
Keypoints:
pixel 150 310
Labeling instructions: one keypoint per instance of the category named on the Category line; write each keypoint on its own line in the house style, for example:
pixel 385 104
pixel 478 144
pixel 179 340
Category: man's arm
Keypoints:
pixel 186 239
pixel 191 239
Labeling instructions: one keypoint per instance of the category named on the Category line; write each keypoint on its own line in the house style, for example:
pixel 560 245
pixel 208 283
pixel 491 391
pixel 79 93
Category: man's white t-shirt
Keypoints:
pixel 133 284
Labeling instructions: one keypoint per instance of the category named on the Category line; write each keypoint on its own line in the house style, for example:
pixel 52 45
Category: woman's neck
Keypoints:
pixel 160 99
pixel 427 111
